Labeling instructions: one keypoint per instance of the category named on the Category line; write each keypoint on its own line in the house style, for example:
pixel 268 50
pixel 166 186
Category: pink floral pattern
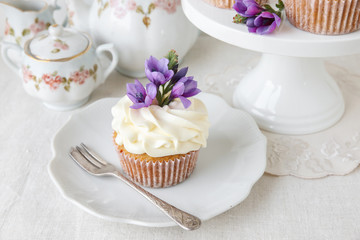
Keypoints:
pixel 168 5
pixel 37 27
pixel 70 17
pixel 59 45
pixel 54 80
pixel 27 74
pixel 34 28
pixel 131 5
pixel 80 76
pixel 121 8
pixel 7 27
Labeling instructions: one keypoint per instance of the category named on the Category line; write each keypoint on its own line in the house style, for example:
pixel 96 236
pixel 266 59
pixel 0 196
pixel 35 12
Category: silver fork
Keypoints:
pixel 95 165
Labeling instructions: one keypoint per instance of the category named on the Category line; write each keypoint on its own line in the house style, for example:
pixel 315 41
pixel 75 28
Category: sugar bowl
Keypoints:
pixel 61 67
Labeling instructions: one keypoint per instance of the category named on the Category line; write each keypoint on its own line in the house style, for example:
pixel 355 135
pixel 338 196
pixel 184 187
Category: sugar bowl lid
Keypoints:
pixel 58 44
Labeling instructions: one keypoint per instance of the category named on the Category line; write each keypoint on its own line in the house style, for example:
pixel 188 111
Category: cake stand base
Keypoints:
pixel 290 95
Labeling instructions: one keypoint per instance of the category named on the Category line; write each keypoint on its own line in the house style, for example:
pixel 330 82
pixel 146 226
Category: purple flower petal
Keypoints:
pixel 177 90
pixel 186 102
pixel 157 70
pixel 266 29
pixel 158 78
pixel 168 74
pixel 247 8
pixel 162 65
pixel 250 22
pixel 180 74
pixel 139 96
pixel 151 90
pixel 265 23
pixel 137 105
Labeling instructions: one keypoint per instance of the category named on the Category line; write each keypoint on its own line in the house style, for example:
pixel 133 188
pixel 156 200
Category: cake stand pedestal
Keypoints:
pixel 289 91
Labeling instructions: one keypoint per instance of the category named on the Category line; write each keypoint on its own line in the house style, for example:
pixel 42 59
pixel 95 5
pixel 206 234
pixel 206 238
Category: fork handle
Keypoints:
pixel 183 219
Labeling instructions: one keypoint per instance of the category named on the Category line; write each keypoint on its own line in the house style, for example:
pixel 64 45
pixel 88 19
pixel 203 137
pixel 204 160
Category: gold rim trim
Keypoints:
pixel 37 58
pixel 39 11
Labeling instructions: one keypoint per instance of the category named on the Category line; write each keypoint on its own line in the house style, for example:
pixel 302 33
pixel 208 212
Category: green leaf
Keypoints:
pixel 12 32
pixel 37 87
pixel 54 73
pixel 106 5
pixel 269 8
pixel 91 72
pixel 25 32
pixel 95 77
pixel 56 50
pixel 36 20
pixel 95 67
pixel 63 80
pixel 280 5
pixel 239 19
pixel 139 9
pixel 173 59
pixel 151 7
pixel 67 88
pixel 81 68
pixel 18 40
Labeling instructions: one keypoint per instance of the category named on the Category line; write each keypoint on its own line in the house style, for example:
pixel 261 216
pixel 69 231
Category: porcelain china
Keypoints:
pixel 138 28
pixel 61 67
pixel 24 19
pixel 233 161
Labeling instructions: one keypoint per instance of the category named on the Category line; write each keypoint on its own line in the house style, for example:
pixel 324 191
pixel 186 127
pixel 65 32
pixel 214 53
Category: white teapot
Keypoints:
pixel 60 66
pixel 138 28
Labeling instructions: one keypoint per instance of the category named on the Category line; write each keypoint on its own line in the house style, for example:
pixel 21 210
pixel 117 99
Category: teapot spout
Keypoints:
pixel 78 14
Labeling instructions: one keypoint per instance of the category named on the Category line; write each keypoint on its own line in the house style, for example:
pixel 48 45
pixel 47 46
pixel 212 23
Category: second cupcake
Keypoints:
pixel 331 17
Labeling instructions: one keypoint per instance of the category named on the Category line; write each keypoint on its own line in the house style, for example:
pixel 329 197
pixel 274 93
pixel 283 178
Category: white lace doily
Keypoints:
pixel 335 151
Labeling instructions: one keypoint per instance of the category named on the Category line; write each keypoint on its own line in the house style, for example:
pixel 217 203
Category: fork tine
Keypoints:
pixel 88 157
pixel 82 161
pixel 93 154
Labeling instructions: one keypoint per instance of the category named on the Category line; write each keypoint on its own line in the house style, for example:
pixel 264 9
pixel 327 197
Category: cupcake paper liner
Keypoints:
pixel 159 174
pixel 330 17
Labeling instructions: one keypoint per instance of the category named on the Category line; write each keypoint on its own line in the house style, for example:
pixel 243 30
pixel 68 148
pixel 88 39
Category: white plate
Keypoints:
pixel 225 173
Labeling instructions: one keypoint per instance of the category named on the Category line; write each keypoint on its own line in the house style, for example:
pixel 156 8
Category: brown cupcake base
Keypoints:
pixel 157 172
pixel 330 17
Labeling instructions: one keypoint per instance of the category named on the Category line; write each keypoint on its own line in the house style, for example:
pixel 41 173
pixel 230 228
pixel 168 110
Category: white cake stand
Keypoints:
pixel 289 91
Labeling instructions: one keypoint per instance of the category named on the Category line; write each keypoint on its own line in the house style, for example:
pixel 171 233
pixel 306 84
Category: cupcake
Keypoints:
pixel 159 129
pixel 229 3
pixel 331 17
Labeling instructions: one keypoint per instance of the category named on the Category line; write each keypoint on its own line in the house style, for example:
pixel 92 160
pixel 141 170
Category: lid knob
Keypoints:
pixel 55 30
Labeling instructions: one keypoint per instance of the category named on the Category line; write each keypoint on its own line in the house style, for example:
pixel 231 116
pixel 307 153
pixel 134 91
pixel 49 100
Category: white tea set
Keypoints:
pixel 62 65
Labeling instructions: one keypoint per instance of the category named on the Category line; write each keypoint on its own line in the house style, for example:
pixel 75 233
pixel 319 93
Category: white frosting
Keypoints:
pixel 161 131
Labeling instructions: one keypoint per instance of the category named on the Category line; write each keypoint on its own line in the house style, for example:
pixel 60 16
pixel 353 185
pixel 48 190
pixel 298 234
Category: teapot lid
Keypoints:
pixel 58 44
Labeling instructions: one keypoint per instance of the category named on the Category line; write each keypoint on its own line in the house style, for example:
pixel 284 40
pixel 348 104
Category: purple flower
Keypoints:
pixel 157 70
pixel 247 8
pixel 139 96
pixel 186 87
pixel 180 74
pixel 265 23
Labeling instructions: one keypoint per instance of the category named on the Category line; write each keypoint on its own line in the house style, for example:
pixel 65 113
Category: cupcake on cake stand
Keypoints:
pixel 289 91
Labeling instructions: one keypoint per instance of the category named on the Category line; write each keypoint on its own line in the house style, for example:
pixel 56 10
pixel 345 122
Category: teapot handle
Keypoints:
pixel 109 47
pixel 13 65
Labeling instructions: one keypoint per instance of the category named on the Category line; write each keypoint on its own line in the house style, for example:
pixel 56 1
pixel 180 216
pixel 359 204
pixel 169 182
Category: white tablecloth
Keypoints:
pixel 31 207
